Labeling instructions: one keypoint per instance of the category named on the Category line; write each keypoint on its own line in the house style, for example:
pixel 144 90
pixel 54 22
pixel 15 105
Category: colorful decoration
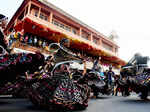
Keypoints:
pixel 30 26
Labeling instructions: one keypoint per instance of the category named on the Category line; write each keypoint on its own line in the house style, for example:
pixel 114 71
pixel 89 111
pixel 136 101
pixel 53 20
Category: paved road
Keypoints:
pixel 103 104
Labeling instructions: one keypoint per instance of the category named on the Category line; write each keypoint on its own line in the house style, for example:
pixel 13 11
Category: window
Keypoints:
pixel 74 31
pixel 41 16
pixel 55 23
pixel 107 46
pixel 36 14
pixel 62 26
pixel 116 50
pixel 85 35
pixel 96 40
pixel 67 28
pixel 33 10
pixel 44 17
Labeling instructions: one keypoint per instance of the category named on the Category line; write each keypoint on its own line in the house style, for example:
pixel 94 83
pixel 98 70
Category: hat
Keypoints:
pixel 2 17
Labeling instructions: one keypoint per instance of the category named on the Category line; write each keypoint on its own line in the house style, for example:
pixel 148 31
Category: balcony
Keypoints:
pixel 71 34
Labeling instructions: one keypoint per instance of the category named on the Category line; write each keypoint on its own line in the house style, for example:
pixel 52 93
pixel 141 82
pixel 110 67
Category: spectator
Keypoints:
pixel 11 38
pixel 35 41
pixel 96 65
pixel 30 40
pixel 110 74
pixel 26 39
pixel 40 43
pixel 44 44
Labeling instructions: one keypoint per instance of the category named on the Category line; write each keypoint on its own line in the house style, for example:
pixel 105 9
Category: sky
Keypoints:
pixel 130 19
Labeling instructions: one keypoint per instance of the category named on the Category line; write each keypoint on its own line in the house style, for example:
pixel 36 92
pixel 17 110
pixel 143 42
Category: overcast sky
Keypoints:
pixel 129 18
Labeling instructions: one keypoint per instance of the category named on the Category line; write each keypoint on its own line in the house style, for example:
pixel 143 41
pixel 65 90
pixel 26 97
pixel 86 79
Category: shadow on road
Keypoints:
pixel 101 98
pixel 3 103
pixel 136 101
pixel 33 107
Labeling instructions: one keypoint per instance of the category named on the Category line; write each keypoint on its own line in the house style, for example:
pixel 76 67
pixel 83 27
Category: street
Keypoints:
pixel 102 104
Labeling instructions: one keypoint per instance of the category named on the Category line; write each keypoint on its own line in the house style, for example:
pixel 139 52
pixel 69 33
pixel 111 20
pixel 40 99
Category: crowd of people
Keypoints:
pixel 29 39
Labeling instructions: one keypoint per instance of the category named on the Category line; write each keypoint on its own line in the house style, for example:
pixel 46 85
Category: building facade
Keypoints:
pixel 43 19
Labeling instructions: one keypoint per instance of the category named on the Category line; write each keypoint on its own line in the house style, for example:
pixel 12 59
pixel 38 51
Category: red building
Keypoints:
pixel 41 19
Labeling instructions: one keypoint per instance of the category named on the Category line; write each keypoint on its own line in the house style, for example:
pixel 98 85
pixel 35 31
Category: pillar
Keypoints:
pixel 29 7
pixel 91 37
pixel 100 41
pixel 80 32
pixel 39 12
pixel 51 17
